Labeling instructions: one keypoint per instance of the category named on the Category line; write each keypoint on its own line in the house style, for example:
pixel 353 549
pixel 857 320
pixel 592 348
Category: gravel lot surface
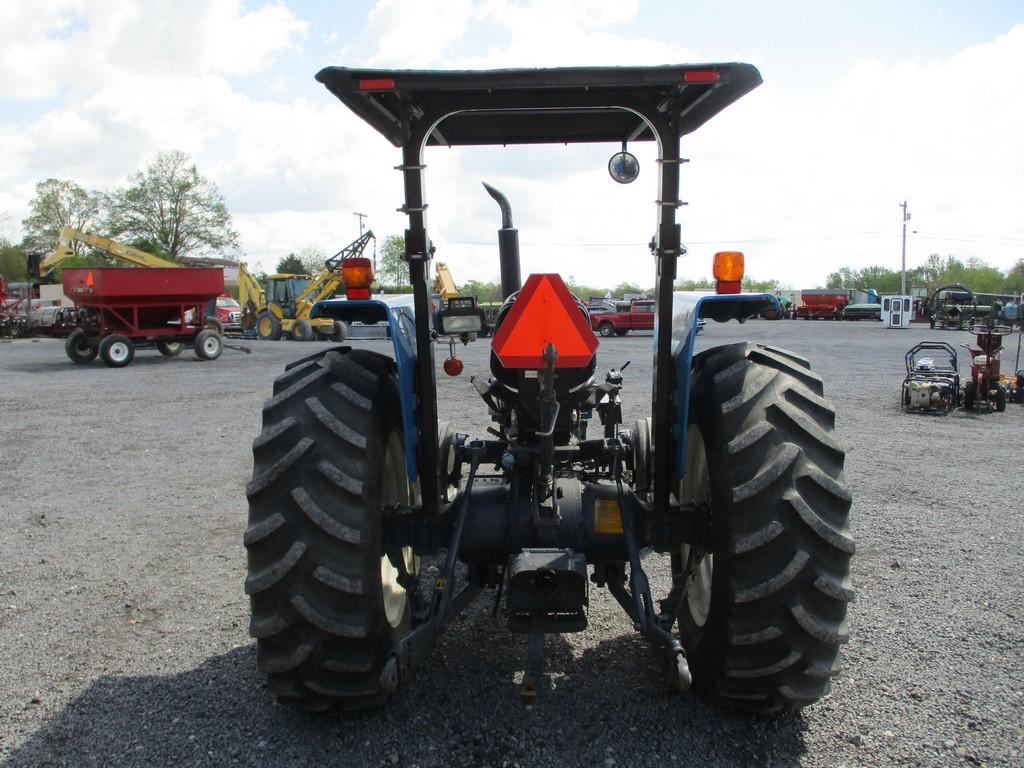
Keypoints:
pixel 123 622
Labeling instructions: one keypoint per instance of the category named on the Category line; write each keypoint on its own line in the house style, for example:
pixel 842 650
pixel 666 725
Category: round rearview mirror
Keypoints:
pixel 624 167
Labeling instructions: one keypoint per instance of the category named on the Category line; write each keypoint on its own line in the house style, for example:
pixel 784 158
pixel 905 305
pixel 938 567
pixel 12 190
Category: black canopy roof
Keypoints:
pixel 538 106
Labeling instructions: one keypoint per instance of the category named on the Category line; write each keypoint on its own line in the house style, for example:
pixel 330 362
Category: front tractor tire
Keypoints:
pixel 764 609
pixel 327 605
pixel 268 326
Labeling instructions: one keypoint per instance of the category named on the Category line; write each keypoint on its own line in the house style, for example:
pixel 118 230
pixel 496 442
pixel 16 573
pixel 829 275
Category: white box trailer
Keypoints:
pixel 897 311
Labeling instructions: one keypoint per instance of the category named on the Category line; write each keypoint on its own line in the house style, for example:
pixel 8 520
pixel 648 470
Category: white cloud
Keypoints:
pixel 797 179
pixel 75 46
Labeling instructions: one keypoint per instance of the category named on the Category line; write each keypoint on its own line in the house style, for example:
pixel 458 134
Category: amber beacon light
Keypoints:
pixel 357 273
pixel 728 271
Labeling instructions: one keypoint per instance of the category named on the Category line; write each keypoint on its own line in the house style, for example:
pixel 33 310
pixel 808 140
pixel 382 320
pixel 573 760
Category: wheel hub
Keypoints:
pixel 698 565
pixel 395 490
pixel 118 352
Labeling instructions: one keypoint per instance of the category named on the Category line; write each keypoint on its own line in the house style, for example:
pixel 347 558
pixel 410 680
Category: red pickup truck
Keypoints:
pixel 628 316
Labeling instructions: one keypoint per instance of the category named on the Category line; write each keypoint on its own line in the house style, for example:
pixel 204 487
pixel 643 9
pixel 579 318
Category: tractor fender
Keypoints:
pixel 688 307
pixel 397 312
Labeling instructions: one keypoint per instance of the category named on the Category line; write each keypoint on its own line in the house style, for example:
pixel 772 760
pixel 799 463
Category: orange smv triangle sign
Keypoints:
pixel 544 312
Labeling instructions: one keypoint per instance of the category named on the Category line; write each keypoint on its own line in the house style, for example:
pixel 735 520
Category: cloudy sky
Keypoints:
pixel 864 105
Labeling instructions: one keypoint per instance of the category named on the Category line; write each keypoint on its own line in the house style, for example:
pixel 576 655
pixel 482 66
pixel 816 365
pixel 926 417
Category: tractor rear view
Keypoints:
pixel 736 478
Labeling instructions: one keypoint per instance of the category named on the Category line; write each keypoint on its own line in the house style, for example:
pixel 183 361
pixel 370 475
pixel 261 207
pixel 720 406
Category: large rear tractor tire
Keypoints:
pixel 764 610
pixel 327 603
pixel 78 349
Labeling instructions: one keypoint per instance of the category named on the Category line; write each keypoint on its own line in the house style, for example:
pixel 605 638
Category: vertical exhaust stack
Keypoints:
pixel 508 246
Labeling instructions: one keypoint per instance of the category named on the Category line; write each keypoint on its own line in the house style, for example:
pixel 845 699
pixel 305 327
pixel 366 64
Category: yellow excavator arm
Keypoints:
pixel 320 287
pixel 115 250
pixel 251 295
pixel 330 278
pixel 444 283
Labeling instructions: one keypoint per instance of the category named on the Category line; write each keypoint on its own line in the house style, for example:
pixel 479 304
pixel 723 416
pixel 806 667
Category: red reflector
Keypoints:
pixel 544 312
pixel 453 366
pixel 381 84
pixel 700 76
pixel 727 286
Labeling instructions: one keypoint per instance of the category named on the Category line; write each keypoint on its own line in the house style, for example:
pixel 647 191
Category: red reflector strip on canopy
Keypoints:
pixel 382 84
pixel 544 312
pixel 701 76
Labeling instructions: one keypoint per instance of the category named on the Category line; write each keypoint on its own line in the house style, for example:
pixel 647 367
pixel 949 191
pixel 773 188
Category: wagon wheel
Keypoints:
pixel 170 348
pixel 208 345
pixel 116 350
pixel 78 348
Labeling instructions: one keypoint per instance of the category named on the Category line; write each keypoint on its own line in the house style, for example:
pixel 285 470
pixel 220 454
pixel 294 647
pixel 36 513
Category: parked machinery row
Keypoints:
pixel 933 384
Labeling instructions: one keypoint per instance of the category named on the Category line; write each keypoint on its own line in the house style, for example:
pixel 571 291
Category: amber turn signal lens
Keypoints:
pixel 357 272
pixel 728 266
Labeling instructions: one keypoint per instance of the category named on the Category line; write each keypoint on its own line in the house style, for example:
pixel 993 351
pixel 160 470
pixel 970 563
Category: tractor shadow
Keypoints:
pixel 604 706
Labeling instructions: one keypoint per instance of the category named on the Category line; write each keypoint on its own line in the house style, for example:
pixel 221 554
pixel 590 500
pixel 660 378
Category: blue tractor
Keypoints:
pixel 736 478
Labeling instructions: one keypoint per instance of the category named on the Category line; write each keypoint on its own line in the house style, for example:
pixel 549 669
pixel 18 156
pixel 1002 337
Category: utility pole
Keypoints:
pixel 903 266
pixel 363 216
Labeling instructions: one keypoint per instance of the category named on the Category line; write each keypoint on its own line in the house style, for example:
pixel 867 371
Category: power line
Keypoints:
pixel 782 239
pixel 775 239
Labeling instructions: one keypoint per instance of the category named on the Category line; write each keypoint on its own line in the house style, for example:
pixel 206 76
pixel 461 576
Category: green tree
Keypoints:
pixel 394 271
pixel 623 288
pixel 882 279
pixel 12 262
pixel 312 257
pixel 291 265
pixel 171 207
pixel 841 278
pixel 484 292
pixel 58 203
pixel 1015 277
pixel 690 284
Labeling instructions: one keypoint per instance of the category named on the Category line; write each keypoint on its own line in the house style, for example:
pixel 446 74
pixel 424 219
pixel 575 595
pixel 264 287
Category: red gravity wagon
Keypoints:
pixel 120 308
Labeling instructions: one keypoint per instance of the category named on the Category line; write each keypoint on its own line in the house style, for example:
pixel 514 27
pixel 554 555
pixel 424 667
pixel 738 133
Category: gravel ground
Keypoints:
pixel 123 622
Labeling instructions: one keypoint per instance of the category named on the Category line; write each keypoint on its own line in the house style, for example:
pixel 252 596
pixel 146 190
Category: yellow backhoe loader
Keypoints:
pixel 444 283
pixel 282 308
